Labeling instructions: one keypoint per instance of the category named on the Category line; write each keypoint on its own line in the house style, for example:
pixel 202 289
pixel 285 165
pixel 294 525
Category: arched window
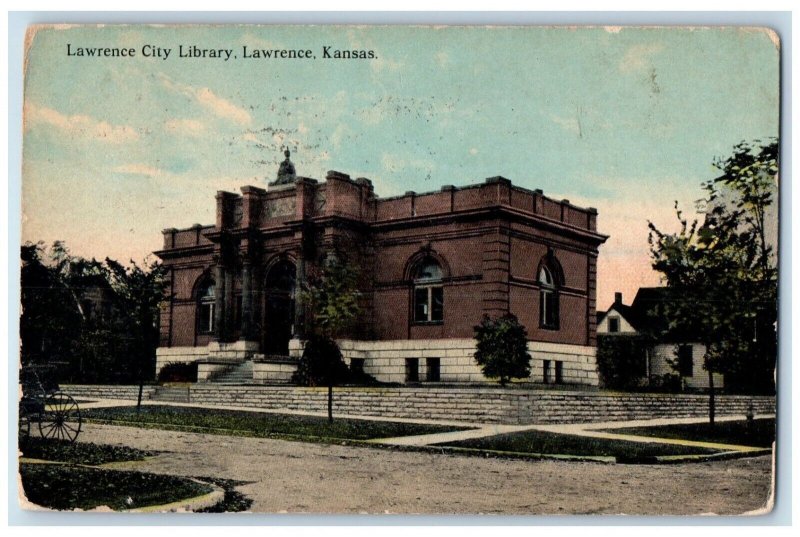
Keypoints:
pixel 428 292
pixel 205 307
pixel 548 301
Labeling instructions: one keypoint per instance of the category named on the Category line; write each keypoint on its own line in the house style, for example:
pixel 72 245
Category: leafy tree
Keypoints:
pixel 332 300
pixel 722 282
pixel 113 344
pixel 139 292
pixel 50 321
pixel 332 297
pixel 502 348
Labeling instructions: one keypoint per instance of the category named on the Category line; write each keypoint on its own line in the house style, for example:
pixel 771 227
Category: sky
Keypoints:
pixel 625 120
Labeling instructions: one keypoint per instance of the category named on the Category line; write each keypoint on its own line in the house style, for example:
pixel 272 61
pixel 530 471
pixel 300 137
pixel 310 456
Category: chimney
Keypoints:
pixel 618 298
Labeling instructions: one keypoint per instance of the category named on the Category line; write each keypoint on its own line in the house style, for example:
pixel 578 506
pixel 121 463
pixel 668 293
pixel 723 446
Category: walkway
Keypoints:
pixel 482 430
pixel 592 430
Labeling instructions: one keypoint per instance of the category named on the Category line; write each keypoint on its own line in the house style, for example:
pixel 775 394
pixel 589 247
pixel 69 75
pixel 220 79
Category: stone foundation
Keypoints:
pixel 390 361
pixel 387 360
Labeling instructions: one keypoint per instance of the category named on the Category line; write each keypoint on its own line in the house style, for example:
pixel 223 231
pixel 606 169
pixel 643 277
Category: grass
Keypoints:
pixel 242 423
pixel 545 443
pixel 75 487
pixel 78 453
pixel 760 434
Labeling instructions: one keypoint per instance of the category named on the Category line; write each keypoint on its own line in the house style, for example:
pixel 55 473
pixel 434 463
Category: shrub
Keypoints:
pixel 621 362
pixel 321 363
pixel 502 349
pixel 178 372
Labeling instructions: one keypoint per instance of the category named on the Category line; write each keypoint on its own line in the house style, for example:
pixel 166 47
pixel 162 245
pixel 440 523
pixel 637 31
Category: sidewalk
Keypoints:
pixel 482 430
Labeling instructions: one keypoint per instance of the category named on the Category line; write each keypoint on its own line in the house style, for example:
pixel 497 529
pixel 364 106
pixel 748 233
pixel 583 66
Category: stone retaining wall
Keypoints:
pixel 89 391
pixel 490 405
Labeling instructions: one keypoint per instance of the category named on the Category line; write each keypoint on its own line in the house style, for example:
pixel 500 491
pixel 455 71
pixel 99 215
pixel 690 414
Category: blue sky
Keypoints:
pixel 624 120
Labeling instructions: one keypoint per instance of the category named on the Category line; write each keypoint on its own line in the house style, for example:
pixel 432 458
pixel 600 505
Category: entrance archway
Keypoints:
pixel 278 309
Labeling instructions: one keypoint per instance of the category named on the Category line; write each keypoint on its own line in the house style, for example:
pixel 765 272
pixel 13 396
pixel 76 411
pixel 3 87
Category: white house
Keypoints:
pixel 640 318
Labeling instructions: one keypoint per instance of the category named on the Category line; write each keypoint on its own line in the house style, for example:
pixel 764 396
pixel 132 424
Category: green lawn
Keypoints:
pixel 258 424
pixel 761 434
pixel 73 487
pixel 544 443
pixel 78 453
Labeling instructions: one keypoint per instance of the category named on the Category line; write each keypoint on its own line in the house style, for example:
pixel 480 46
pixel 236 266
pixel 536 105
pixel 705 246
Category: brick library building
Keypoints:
pixel 430 266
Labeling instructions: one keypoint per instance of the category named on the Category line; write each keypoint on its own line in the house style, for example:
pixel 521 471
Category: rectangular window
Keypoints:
pixel 432 369
pixel 685 361
pixel 428 304
pixel 546 371
pixel 412 369
pixel 437 303
pixel 421 305
pixel 206 317
pixel 613 325
pixel 559 372
pixel 549 309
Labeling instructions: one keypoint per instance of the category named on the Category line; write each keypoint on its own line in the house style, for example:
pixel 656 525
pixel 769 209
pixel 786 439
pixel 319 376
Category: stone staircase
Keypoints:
pixel 238 374
pixel 172 394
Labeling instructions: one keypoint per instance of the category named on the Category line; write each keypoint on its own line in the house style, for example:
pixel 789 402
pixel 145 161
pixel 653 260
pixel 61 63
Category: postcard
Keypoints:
pixel 407 270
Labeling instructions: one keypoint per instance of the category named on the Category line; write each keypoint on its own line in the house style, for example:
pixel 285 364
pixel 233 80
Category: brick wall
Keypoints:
pixel 489 405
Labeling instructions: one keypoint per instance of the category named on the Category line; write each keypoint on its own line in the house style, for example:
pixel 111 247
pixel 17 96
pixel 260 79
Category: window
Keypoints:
pixel 546 371
pixel 548 305
pixel 613 325
pixel 412 369
pixel 685 361
pixel 428 292
pixel 205 308
pixel 432 369
pixel 559 372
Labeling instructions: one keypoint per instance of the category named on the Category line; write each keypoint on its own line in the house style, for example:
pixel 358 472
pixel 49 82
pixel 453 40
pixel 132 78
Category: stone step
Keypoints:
pixel 239 374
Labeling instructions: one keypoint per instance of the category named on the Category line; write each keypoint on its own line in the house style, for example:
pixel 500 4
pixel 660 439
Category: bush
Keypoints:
pixel 621 362
pixel 178 372
pixel 321 363
pixel 502 349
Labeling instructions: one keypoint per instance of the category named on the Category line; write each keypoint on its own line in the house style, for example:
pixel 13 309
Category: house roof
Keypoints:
pixel 626 312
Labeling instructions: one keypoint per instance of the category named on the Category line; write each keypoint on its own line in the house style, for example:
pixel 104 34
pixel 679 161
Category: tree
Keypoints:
pixel 723 285
pixel 332 301
pixel 50 321
pixel 502 348
pixel 139 292
pixel 61 323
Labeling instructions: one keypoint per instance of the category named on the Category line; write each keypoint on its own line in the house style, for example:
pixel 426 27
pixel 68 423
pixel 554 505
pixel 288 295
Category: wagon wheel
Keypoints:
pixel 61 418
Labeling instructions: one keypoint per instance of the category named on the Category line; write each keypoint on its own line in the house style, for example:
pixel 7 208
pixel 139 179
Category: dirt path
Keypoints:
pixel 300 477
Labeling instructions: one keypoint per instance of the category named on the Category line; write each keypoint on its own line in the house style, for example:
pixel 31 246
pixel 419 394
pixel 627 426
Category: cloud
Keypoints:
pixel 78 125
pixel 394 163
pixel 211 101
pixel 138 169
pixel 639 57
pixel 569 124
pixel 188 127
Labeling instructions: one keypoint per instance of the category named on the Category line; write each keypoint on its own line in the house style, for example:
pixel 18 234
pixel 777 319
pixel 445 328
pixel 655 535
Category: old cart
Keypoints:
pixel 45 407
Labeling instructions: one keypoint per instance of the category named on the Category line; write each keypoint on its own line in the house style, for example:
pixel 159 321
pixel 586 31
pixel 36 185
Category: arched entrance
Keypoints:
pixel 278 309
